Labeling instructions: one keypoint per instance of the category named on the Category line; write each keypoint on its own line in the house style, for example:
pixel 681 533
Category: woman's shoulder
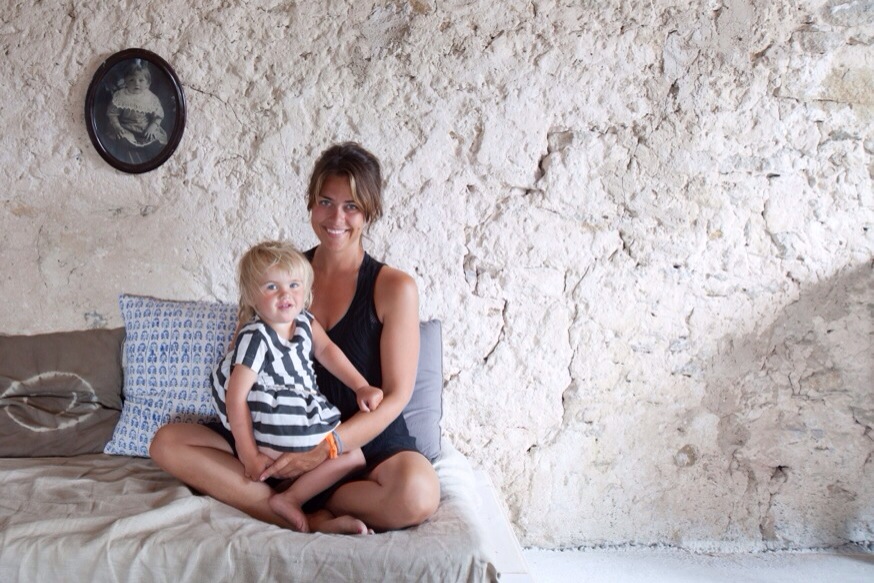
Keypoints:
pixel 392 276
pixel 395 289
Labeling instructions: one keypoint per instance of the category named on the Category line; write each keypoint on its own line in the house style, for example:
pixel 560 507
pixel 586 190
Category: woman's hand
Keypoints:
pixel 291 465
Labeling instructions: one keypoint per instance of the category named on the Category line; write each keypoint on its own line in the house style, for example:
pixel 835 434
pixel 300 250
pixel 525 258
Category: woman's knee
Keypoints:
pixel 161 442
pixel 167 440
pixel 422 499
pixel 415 497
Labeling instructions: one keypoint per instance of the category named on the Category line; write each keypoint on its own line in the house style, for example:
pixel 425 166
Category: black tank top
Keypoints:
pixel 357 334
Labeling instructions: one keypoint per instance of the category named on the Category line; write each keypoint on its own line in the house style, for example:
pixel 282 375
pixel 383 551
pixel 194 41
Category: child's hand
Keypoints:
pixel 152 132
pixel 256 465
pixel 368 397
pixel 125 134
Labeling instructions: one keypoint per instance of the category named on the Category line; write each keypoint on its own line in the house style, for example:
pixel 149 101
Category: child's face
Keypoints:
pixel 280 296
pixel 136 82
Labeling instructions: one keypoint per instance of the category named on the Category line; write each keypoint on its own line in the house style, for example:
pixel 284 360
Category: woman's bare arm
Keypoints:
pixel 397 306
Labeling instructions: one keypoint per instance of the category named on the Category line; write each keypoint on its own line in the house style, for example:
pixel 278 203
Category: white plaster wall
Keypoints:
pixel 646 225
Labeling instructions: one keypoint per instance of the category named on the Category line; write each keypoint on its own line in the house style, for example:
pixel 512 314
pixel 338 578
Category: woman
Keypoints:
pixel 371 312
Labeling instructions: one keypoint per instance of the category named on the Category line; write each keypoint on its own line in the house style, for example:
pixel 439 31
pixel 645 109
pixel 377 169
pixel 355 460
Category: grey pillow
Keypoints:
pixel 425 409
pixel 60 393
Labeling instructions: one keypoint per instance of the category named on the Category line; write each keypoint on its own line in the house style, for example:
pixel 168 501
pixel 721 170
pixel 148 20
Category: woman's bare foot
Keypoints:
pixel 343 525
pixel 286 507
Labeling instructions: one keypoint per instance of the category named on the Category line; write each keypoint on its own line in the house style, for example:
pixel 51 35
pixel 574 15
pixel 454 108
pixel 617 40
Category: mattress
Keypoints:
pixel 112 518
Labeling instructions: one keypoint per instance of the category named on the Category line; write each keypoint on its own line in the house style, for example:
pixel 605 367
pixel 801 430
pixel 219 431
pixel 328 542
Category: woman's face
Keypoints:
pixel 336 218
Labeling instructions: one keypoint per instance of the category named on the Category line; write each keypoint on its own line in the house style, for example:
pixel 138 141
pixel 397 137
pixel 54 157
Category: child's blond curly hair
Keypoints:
pixel 259 259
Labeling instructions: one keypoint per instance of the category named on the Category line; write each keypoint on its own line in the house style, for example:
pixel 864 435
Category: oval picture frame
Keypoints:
pixel 135 110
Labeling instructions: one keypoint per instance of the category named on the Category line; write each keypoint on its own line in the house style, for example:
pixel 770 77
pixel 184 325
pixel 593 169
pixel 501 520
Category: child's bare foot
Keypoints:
pixel 344 525
pixel 287 508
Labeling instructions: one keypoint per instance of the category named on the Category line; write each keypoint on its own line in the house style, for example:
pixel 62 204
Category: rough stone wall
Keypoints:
pixel 646 225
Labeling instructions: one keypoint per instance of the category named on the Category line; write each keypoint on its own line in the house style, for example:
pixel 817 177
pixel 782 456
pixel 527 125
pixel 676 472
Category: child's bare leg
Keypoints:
pixel 288 503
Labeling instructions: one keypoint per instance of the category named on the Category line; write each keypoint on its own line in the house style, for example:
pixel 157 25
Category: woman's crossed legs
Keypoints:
pixel 402 491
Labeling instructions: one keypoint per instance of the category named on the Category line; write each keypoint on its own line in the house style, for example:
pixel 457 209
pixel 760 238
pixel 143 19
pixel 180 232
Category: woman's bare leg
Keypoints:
pixel 402 491
pixel 202 459
pixel 288 503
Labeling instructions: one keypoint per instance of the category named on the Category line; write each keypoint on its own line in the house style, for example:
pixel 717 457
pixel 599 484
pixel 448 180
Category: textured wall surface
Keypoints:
pixel 647 226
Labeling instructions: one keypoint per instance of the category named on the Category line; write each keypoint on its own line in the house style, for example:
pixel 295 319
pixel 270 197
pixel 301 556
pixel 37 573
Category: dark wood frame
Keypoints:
pixel 164 83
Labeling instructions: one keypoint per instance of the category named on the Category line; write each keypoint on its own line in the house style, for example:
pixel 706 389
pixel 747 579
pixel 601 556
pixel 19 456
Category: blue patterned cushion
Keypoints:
pixel 169 351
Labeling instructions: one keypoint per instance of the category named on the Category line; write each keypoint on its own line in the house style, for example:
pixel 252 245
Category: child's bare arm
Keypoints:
pixel 240 419
pixel 368 397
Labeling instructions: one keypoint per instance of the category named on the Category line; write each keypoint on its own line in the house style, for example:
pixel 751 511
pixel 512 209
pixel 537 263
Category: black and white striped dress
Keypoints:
pixel 288 411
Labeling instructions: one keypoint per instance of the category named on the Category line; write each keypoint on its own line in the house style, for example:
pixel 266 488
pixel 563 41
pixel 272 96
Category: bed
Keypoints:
pixel 81 500
pixel 98 517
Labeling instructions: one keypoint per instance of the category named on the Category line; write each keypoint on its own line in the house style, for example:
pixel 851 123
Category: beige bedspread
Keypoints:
pixel 106 518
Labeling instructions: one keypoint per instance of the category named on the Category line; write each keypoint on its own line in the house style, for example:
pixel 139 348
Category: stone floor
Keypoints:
pixel 656 565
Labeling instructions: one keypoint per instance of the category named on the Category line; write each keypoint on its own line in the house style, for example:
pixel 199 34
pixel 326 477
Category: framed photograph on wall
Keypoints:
pixel 135 110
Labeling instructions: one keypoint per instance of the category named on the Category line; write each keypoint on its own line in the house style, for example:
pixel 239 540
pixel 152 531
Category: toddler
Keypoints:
pixel 265 388
pixel 135 113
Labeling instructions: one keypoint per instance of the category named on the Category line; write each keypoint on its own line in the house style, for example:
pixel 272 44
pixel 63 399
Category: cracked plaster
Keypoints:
pixel 645 225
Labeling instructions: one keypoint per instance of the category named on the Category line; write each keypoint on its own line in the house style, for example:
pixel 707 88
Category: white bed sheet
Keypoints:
pixel 110 518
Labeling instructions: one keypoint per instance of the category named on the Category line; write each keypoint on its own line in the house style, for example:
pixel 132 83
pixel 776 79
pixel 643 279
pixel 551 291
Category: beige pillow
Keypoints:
pixel 60 393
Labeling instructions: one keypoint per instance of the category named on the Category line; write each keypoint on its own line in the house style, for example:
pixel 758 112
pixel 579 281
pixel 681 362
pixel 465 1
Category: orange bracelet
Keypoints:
pixel 332 446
